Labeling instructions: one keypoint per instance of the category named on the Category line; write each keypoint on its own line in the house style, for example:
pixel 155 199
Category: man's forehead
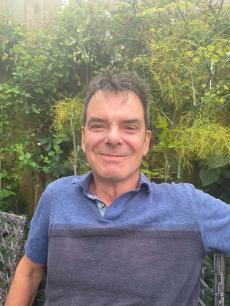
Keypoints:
pixel 125 105
pixel 94 119
pixel 123 95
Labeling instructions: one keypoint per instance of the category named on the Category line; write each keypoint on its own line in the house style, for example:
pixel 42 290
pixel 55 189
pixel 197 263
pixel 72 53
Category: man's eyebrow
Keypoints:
pixel 95 119
pixel 125 121
pixel 131 121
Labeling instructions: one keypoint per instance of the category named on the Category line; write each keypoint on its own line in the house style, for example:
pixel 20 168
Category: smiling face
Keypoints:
pixel 114 137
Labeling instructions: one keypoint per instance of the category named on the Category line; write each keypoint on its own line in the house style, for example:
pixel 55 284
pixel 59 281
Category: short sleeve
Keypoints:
pixel 36 248
pixel 213 216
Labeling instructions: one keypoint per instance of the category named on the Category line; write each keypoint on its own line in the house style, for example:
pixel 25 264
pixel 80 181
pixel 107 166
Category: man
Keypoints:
pixel 111 237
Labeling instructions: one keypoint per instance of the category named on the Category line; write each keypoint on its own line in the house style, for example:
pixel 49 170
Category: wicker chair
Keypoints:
pixel 13 229
pixel 213 280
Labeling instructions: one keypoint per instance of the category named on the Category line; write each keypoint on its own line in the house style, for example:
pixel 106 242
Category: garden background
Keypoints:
pixel 182 50
pixel 48 55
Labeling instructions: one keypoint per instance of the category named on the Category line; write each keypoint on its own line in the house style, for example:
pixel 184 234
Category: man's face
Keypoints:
pixel 114 137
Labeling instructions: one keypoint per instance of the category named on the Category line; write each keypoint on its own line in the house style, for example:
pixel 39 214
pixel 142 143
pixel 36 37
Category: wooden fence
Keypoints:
pixel 33 13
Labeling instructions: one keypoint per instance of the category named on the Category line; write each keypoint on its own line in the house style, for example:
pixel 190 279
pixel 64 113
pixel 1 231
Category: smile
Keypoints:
pixel 110 157
pixel 113 155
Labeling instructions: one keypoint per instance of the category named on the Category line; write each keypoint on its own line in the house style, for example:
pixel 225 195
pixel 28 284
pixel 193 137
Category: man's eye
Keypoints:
pixel 97 126
pixel 130 127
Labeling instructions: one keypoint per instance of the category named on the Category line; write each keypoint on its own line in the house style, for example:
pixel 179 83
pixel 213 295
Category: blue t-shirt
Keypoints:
pixel 146 249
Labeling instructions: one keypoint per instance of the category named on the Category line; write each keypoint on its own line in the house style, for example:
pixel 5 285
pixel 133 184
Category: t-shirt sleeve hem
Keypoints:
pixel 34 258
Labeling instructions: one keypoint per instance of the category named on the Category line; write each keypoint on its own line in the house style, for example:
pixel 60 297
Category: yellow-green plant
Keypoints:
pixel 189 69
pixel 68 118
pixel 206 141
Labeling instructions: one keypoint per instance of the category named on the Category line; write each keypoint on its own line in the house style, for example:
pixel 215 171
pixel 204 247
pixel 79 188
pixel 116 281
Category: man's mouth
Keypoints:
pixel 113 155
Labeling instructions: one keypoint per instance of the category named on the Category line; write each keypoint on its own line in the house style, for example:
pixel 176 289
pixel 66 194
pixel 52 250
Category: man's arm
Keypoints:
pixel 213 217
pixel 25 283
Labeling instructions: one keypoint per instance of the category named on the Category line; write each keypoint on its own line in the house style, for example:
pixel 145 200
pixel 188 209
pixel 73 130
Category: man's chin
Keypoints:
pixel 110 176
pixel 115 176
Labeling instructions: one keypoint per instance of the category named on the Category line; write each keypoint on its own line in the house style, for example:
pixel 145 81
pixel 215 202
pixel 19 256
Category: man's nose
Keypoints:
pixel 113 136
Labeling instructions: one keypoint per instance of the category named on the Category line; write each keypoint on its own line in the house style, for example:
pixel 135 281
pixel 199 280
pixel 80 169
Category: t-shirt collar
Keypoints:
pixel 84 182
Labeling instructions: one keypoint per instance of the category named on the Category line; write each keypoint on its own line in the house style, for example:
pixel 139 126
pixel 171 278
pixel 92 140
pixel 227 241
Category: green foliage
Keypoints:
pixel 10 35
pixel 180 48
pixel 66 111
pixel 206 141
pixel 189 69
pixel 8 189
pixel 68 119
pixel 217 182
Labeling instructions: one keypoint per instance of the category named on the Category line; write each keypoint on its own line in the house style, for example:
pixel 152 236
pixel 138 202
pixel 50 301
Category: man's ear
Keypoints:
pixel 148 136
pixel 83 138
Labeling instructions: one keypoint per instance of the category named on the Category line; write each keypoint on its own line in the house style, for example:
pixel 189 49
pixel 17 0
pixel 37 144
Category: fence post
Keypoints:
pixel 219 283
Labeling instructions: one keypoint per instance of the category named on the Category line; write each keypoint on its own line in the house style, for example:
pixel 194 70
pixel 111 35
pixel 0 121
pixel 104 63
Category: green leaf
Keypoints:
pixel 218 161
pixel 46 169
pixel 28 155
pixel 21 157
pixel 226 173
pixel 4 193
pixel 34 165
pixel 209 176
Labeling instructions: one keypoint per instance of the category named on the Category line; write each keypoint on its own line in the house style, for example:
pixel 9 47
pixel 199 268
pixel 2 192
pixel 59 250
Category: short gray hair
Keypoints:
pixel 119 82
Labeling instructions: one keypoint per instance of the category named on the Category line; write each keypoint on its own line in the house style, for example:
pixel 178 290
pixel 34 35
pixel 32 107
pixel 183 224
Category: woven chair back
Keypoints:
pixel 13 230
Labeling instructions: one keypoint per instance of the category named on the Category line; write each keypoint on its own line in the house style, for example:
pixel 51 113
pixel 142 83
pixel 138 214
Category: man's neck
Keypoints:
pixel 108 191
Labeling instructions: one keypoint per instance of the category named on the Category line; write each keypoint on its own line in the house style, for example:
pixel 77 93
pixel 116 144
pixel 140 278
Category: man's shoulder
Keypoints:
pixel 183 192
pixel 169 188
pixel 177 192
pixel 65 183
pixel 173 187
